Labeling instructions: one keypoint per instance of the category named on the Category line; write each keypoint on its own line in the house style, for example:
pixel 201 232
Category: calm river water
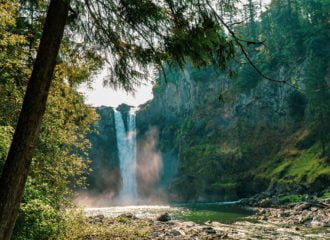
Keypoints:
pixel 199 213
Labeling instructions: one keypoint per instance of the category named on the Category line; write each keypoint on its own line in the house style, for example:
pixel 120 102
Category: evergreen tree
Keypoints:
pixel 317 93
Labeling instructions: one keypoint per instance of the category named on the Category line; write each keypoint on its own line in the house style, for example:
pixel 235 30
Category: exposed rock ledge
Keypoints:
pixel 301 221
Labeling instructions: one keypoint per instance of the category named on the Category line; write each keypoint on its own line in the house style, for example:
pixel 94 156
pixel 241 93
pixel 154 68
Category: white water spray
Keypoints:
pixel 126 144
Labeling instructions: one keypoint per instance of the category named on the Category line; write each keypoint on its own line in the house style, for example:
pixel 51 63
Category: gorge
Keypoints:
pixel 258 126
pixel 210 149
pixel 246 144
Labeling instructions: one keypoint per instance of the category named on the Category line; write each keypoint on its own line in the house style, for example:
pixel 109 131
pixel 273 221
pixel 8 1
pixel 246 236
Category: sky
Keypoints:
pixel 106 96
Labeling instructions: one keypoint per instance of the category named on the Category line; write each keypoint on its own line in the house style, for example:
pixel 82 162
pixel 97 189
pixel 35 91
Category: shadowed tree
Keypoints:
pixel 317 93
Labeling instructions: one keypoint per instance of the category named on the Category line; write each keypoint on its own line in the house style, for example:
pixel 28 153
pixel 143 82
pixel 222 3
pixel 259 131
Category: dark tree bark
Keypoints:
pixel 19 158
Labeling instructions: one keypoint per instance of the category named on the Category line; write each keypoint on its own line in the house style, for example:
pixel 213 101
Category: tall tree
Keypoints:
pixel 19 158
pixel 252 13
pixel 317 93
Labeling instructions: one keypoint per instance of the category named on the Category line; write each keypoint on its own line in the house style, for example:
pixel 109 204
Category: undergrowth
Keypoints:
pixel 77 227
pixel 305 166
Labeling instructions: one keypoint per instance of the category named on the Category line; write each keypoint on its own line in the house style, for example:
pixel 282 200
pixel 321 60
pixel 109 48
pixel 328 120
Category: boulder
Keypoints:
pixel 127 215
pixel 302 207
pixel 266 202
pixel 209 230
pixel 165 217
pixel 176 233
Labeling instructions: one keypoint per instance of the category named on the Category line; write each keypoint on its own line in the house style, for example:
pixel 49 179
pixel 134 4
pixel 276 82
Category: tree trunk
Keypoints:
pixel 19 158
pixel 322 133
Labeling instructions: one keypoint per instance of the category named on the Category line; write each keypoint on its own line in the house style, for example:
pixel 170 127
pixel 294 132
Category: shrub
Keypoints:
pixel 6 133
pixel 291 198
pixel 37 220
pixel 325 195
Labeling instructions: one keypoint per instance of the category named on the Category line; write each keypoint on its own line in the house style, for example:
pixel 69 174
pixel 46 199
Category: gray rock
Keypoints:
pixel 266 202
pixel 209 230
pixel 165 217
pixel 127 215
pixel 316 224
pixel 302 206
pixel 326 201
pixel 175 233
pixel 304 217
pixel 263 218
pixel 99 216
pixel 314 209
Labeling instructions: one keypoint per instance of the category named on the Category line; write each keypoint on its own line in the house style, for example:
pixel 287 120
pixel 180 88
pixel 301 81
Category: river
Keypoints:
pixel 198 213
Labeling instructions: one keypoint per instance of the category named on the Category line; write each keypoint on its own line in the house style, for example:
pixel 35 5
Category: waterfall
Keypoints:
pixel 126 144
pixel 131 142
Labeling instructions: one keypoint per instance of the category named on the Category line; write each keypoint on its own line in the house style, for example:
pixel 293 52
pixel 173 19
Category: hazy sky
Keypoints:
pixel 106 96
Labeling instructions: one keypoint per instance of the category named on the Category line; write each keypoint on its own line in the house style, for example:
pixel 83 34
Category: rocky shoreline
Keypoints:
pixel 312 212
pixel 305 220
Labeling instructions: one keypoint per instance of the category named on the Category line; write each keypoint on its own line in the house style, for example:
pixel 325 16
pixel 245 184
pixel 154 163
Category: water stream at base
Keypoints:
pixel 229 220
pixel 199 213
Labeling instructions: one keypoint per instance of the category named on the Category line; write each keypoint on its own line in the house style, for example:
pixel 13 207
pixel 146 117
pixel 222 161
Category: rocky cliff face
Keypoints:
pixel 105 175
pixel 206 137
pixel 216 137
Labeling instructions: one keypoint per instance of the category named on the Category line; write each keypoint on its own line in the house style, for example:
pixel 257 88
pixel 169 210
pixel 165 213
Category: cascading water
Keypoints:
pixel 131 143
pixel 126 144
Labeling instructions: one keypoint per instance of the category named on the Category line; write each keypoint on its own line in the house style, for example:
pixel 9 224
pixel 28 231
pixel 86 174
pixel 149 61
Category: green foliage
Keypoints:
pixel 228 189
pixel 325 195
pixel 248 78
pixel 122 219
pixel 59 164
pixel 183 128
pixel 202 161
pixel 283 29
pixel 306 166
pixel 73 223
pixel 318 108
pixel 137 33
pixel 202 74
pixel 13 71
pixel 247 140
pixel 6 133
pixel 291 199
pixel 38 220
pixel 75 226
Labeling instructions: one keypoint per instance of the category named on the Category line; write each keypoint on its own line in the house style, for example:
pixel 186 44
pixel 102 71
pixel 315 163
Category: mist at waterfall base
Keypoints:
pixel 140 169
pixel 149 169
